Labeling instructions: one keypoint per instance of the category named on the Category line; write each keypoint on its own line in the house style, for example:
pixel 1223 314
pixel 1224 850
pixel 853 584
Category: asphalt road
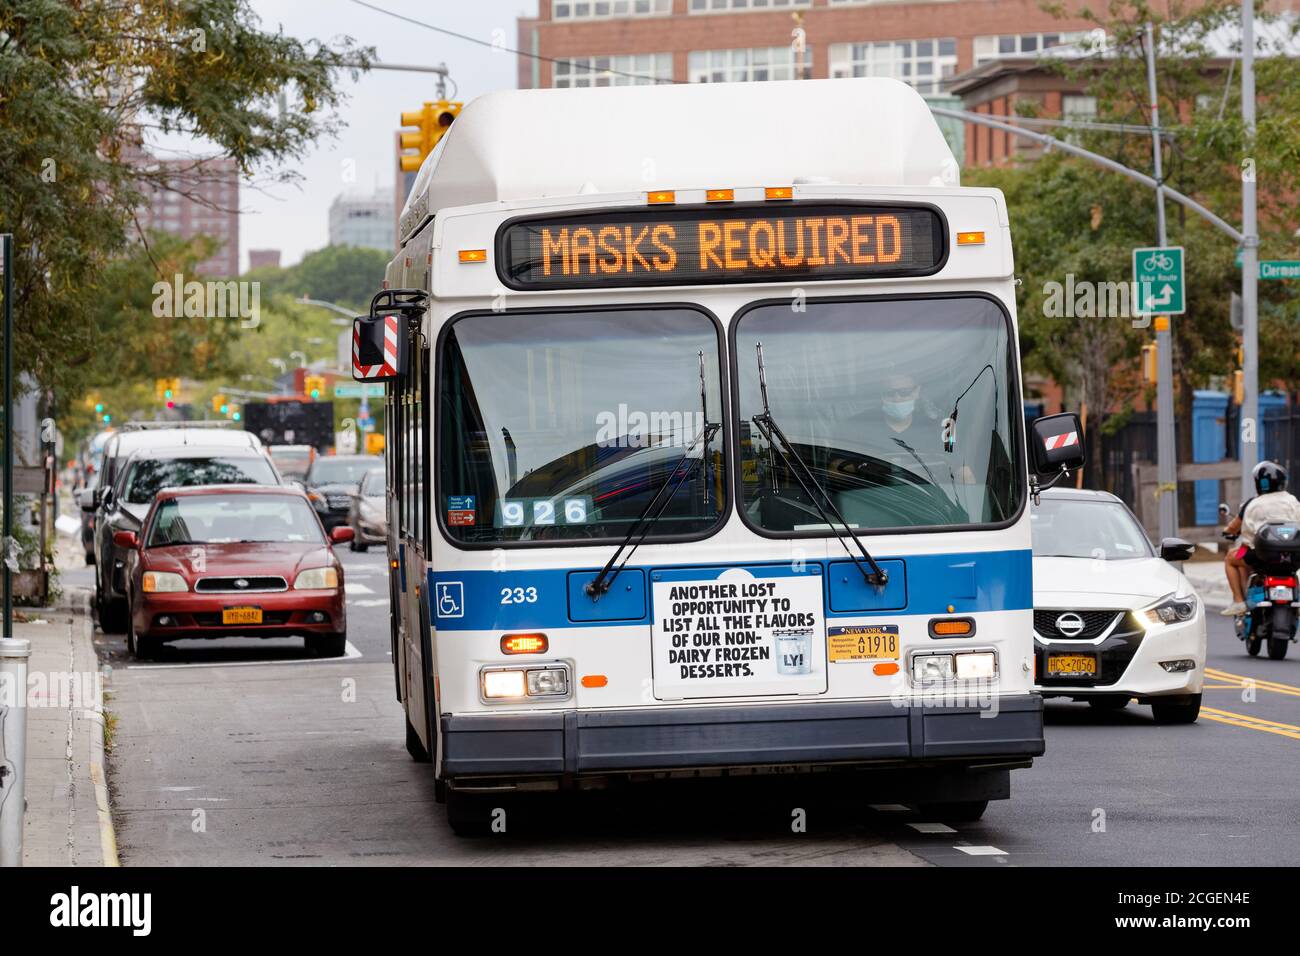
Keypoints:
pixel 246 752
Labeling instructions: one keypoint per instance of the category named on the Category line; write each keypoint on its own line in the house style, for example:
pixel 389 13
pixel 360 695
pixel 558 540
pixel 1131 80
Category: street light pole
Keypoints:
pixel 1166 449
pixel 1249 425
pixel 8 472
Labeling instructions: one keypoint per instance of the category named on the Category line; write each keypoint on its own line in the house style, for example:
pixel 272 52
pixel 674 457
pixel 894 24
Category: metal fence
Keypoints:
pixel 1135 441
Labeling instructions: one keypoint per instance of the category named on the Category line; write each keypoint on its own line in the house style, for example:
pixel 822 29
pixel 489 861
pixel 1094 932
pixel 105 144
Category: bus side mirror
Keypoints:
pixel 378 348
pixel 379 339
pixel 1056 443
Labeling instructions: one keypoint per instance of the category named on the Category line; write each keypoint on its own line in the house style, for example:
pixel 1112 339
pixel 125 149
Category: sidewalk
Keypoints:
pixel 1210 583
pixel 67 821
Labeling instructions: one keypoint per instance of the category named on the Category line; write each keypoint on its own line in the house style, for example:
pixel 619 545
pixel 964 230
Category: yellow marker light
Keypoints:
pixel 594 680
pixel 778 192
pixel 661 197
pixel 958 627
pixel 720 195
pixel 970 238
pixel 524 644
pixel 473 255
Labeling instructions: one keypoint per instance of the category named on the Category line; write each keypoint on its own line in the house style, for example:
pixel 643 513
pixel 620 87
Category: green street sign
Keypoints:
pixel 1279 269
pixel 1161 283
pixel 358 390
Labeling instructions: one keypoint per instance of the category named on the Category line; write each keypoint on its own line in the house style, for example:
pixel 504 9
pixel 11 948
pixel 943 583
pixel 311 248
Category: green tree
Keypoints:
pixel 348 275
pixel 81 86
pixel 1070 217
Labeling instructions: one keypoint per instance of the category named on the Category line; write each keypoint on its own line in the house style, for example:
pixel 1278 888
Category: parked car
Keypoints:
pixel 234 561
pixel 293 460
pixel 1114 618
pixel 331 481
pixel 368 513
pixel 142 436
pixel 86 502
pixel 146 472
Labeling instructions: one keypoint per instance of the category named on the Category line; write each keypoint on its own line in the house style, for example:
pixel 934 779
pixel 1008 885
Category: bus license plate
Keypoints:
pixel 241 615
pixel 867 642
pixel 1071 665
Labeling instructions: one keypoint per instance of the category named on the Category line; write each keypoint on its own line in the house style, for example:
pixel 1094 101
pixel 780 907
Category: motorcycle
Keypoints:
pixel 1271 591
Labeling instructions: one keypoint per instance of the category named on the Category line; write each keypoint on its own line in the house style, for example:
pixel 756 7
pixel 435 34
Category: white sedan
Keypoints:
pixel 1114 619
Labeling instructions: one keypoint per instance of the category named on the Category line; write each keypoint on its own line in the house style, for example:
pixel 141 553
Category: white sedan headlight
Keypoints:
pixel 1173 610
pixel 317 579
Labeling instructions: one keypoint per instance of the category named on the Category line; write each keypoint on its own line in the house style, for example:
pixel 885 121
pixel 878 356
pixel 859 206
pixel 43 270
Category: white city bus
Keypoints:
pixel 706 448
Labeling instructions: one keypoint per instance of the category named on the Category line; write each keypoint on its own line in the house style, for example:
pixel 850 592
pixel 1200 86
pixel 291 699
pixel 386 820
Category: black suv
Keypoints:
pixel 331 482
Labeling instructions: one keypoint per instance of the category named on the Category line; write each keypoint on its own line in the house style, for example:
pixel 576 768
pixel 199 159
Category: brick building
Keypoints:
pixel 203 199
pixel 610 42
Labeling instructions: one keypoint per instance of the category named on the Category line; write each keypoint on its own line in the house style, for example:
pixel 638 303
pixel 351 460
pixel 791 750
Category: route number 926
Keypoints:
pixel 519 595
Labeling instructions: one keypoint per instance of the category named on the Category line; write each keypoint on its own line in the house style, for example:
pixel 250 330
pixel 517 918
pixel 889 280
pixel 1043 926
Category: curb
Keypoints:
pixel 79 603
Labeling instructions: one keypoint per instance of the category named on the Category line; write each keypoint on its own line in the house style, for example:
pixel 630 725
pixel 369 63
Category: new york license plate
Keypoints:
pixel 1071 665
pixel 241 615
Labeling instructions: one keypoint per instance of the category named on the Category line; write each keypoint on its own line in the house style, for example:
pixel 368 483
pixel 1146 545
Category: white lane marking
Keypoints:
pixel 177 789
pixel 931 828
pixel 375 602
pixel 355 587
pixel 351 654
pixel 981 850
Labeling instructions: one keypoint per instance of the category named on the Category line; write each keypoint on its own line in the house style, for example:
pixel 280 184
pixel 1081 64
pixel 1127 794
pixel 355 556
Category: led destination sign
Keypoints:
pixel 710 245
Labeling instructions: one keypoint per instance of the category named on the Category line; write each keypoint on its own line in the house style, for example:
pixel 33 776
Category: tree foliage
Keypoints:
pixel 81 87
pixel 1071 217
pixel 347 275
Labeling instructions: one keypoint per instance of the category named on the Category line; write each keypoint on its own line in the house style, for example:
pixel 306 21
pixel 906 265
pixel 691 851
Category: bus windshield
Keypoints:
pixel 905 410
pixel 563 425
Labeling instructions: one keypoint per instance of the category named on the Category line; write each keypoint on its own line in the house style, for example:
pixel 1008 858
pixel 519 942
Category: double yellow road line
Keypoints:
pixel 1243 720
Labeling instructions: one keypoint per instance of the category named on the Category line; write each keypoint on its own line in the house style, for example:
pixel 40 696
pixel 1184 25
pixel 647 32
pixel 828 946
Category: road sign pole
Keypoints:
pixel 1248 425
pixel 1166 447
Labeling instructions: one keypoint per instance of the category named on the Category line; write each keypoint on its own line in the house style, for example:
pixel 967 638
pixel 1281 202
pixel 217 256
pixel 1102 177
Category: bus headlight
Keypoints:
pixel 932 667
pixel 522 683
pixel 977 666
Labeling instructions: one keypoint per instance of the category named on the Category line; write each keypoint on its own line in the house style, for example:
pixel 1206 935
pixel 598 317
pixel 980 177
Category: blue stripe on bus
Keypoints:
pixel 961 583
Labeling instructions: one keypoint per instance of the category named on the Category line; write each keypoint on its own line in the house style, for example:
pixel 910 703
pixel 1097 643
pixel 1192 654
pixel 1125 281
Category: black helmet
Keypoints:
pixel 1269 477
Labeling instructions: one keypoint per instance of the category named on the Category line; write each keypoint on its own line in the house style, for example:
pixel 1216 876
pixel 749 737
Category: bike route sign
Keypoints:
pixel 1160 280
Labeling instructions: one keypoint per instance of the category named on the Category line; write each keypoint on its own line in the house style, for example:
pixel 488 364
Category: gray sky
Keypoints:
pixel 294 218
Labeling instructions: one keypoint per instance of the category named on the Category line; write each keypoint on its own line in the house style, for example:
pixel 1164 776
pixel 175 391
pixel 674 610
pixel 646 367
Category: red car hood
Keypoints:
pixel 240 559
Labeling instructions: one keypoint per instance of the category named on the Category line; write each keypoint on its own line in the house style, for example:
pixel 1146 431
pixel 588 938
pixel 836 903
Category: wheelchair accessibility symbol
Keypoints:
pixel 450 599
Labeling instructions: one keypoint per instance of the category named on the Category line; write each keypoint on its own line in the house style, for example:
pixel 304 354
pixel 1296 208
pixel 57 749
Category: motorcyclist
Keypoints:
pixel 1272 502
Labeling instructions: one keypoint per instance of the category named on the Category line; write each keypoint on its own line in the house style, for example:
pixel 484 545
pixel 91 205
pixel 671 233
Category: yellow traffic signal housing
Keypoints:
pixel 166 388
pixel 218 402
pixel 314 385
pixel 431 123
pixel 1150 364
pixel 1238 387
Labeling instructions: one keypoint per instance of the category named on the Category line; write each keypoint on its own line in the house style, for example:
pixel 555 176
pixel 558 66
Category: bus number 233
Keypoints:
pixel 519 595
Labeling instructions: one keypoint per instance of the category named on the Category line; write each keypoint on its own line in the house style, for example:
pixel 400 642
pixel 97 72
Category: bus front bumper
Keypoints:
pixel 690 738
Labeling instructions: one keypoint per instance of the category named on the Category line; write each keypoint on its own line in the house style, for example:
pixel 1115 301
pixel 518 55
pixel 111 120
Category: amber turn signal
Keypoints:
pixel 524 644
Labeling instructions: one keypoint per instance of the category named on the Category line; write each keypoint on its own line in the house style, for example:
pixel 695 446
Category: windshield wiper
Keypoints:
pixel 656 506
pixel 877 576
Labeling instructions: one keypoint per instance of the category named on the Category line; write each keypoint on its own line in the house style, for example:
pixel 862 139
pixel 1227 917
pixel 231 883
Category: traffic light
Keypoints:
pixel 314 385
pixel 166 388
pixel 1238 387
pixel 99 408
pixel 430 123
pixel 219 403
pixel 1150 364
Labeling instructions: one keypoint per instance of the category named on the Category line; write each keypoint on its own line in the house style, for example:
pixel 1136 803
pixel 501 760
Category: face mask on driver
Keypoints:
pixel 898 411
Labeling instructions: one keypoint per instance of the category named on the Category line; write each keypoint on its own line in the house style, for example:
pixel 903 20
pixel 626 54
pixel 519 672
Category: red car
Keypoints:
pixel 234 561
